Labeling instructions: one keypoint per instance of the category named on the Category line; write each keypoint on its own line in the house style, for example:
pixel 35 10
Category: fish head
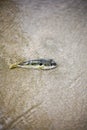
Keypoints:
pixel 49 64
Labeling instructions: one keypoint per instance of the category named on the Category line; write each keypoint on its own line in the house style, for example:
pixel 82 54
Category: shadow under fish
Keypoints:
pixel 44 64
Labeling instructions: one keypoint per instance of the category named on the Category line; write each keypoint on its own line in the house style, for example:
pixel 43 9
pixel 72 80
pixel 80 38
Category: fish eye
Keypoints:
pixel 40 64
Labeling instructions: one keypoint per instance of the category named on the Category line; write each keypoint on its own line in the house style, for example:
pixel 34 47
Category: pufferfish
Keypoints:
pixel 44 64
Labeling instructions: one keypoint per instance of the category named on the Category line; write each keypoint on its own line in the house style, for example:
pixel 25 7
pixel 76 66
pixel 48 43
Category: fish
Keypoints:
pixel 44 64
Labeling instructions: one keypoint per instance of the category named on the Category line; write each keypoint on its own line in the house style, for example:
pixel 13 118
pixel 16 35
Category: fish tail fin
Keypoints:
pixel 12 66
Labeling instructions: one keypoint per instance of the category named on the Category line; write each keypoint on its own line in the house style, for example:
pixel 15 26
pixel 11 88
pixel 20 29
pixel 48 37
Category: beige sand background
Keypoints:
pixel 36 99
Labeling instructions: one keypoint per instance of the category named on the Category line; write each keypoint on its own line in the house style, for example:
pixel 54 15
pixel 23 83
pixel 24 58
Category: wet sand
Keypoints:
pixel 36 99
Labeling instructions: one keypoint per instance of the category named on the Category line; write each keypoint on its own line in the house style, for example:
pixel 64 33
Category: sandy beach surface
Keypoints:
pixel 35 99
